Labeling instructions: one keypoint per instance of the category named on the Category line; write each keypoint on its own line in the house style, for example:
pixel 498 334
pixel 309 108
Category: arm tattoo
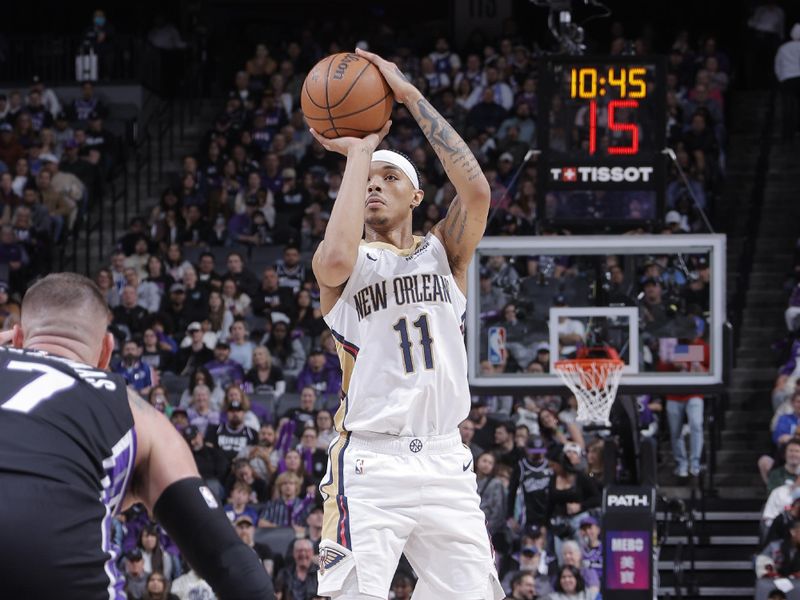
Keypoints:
pixel 139 403
pixel 456 218
pixel 448 145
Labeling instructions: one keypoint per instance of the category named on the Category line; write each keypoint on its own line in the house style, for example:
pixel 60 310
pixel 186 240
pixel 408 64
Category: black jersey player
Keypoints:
pixel 76 447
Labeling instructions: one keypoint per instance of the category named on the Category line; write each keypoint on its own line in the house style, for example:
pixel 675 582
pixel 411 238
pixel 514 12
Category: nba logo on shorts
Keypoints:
pixel 359 466
pixel 497 345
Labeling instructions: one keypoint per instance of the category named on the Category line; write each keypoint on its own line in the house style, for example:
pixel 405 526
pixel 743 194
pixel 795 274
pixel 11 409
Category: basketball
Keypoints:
pixel 346 95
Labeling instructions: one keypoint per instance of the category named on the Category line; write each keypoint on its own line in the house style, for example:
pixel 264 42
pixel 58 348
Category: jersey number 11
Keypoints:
pixel 425 341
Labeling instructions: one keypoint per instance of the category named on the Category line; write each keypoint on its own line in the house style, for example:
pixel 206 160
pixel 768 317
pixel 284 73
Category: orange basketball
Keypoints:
pixel 346 95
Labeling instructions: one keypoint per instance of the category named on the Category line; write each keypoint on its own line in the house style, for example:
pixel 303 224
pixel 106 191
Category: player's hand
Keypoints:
pixel 401 87
pixel 344 145
pixel 7 336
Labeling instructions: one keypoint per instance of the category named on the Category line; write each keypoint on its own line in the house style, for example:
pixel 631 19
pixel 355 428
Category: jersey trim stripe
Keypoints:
pixel 344 514
pixel 349 347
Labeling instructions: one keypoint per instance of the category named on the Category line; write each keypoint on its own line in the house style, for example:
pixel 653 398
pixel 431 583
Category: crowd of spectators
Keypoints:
pixel 780 467
pixel 217 320
pixel 54 160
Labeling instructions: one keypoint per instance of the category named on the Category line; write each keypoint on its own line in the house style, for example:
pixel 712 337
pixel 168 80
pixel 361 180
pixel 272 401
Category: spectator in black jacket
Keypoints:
pixel 244 278
pixel 129 314
pixel 272 297
pixel 210 461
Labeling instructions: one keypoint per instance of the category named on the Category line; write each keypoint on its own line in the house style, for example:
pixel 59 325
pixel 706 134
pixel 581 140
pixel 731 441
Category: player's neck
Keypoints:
pixel 399 238
pixel 46 344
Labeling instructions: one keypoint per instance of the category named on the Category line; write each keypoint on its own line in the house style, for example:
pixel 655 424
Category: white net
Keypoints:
pixel 594 383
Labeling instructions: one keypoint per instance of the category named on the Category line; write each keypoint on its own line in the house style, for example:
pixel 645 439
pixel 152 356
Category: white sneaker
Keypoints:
pixel 682 472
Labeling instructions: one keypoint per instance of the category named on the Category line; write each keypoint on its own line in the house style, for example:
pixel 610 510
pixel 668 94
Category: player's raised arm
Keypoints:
pixel 463 227
pixel 337 253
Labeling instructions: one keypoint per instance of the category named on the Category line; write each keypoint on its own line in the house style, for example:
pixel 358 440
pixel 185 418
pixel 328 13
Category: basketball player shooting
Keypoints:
pixel 399 479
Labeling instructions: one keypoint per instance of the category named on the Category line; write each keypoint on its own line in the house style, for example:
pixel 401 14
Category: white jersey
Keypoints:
pixel 398 326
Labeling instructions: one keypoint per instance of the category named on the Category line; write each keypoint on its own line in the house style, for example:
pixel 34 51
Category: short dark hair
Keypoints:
pixel 517 579
pixel 68 292
pixel 794 440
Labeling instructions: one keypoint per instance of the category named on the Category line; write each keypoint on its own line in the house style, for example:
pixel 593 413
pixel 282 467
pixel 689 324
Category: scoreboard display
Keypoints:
pixel 602 126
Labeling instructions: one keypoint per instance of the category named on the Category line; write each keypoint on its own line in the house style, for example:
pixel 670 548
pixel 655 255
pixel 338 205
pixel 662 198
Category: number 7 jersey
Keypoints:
pixel 398 327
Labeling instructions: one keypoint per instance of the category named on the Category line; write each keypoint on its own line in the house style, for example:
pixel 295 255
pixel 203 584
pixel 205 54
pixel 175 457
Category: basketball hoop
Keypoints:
pixel 593 380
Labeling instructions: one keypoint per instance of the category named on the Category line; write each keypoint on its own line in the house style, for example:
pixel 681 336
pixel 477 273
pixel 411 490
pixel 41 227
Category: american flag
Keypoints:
pixel 688 353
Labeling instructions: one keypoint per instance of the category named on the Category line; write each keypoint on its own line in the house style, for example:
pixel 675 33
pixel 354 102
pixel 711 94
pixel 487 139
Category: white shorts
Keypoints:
pixel 385 495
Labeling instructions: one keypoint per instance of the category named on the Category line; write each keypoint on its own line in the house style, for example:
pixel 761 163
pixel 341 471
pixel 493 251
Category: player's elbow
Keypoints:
pixel 333 267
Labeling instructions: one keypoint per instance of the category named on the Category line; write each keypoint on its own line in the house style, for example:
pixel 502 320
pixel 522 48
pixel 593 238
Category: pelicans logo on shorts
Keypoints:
pixel 329 557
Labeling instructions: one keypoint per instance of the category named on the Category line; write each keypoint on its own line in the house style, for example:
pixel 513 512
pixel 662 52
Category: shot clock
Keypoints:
pixel 601 132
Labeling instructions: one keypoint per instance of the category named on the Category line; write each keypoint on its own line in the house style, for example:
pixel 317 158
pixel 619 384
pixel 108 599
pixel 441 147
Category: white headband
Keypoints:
pixel 399 161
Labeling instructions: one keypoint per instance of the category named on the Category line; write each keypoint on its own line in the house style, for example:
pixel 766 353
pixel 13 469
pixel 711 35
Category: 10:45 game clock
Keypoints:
pixel 602 127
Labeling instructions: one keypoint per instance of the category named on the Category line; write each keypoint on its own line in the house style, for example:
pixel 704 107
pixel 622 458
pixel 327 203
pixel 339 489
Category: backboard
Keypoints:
pixel 659 300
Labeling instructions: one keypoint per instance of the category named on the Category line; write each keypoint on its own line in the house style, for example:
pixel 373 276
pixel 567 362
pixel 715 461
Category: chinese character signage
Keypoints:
pixel 627 560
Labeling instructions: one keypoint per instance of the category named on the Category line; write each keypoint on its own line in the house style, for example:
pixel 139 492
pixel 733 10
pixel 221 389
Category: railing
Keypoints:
pixel 150 139
pixel 753 219
pixel 52 58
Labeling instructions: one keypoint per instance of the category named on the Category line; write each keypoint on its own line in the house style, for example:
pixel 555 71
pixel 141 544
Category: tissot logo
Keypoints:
pixel 628 500
pixel 601 174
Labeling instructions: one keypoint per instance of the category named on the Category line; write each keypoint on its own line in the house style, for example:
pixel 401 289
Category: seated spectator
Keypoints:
pixel 14 255
pixel 291 271
pixel 505 449
pixel 571 494
pixel 591 546
pixel 137 374
pixel 286 509
pixel 110 292
pixel 135 575
pixel 156 559
pixel 467 431
pixel 554 431
pixel 265 457
pixel 241 346
pixel 306 318
pixel 304 415
pixel 211 463
pixel 569 585
pixel 532 475
pixel 326 431
pixel 148 296
pixel 9 309
pixel 224 370
pixel 220 318
pixel 157 588
pixel 287 352
pixel 483 436
pixel 318 374
pixel 234 436
pixel 201 415
pixel 175 307
pixel 523 586
pixel 264 377
pixel 299 579
pixel 781 497
pixel 789 471
pixel 238 503
pixel 245 529
pixel 315 459
pixel 780 558
pixel 270 296
pixel 235 300
pixel 244 279
pixel 293 463
pixel 528 561
pixel 492 494
pixel 192 357
pixel 155 352
pixel 243 471
pixel 782 523
pixel 595 461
